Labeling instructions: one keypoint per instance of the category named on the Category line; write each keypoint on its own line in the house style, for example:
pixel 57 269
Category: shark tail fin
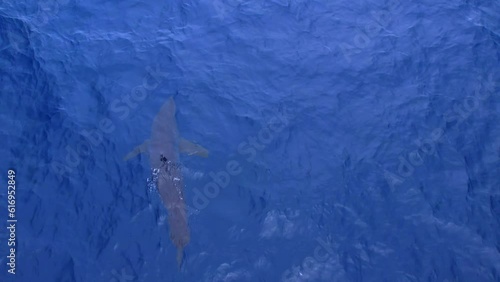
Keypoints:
pixel 180 256
pixel 191 148
pixel 137 150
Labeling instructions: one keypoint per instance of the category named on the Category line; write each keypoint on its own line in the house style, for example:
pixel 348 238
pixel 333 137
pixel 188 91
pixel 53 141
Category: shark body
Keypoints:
pixel 163 149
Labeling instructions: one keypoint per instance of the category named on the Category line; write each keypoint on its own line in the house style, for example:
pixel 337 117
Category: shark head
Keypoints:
pixel 170 106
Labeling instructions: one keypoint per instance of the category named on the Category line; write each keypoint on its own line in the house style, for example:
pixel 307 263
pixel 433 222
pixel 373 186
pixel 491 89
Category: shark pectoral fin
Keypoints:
pixel 137 150
pixel 190 148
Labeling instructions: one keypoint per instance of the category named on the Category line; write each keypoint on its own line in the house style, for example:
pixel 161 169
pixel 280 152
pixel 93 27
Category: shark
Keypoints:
pixel 164 147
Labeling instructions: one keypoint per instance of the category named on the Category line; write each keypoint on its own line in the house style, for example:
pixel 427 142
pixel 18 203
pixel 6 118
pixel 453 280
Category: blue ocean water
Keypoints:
pixel 363 139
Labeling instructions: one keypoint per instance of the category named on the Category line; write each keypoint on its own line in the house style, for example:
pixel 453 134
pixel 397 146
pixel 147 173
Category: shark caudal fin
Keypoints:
pixel 191 148
pixel 180 255
pixel 137 150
